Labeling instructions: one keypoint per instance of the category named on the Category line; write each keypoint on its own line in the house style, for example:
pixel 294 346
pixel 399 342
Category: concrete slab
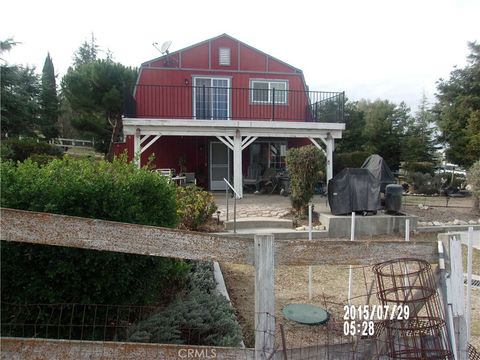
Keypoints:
pixel 260 223
pixel 379 224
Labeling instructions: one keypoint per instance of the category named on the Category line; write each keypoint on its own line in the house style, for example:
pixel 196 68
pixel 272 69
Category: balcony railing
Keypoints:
pixel 222 103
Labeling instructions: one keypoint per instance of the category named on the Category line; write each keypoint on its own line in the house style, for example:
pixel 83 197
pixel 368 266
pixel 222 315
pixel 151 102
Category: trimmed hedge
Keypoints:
pixel 88 188
pixel 94 189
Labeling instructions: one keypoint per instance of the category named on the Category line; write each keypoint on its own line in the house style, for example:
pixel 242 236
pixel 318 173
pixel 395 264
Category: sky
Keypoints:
pixel 387 49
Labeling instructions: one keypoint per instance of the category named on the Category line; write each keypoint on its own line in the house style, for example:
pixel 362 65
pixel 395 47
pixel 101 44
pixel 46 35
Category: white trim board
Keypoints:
pixel 229 128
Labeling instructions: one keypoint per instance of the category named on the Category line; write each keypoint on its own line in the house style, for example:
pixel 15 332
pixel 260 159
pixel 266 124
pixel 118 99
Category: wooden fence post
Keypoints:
pixel 264 296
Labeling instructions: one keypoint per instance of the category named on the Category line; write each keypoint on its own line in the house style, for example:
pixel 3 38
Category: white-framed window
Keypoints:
pixel 278 152
pixel 269 154
pixel 263 91
pixel 224 56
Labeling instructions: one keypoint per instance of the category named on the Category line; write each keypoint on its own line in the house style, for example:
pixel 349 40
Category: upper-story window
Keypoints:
pixel 264 91
pixel 224 56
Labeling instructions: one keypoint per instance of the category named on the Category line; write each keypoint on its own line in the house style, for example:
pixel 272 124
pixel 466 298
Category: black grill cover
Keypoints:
pixel 353 190
pixel 380 170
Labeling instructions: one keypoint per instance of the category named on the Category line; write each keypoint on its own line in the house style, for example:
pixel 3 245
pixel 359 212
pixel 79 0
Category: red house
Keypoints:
pixel 221 108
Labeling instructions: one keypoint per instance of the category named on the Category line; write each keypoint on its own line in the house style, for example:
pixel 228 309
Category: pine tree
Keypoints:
pixel 48 100
pixel 458 111
pixel 418 147
pixel 86 53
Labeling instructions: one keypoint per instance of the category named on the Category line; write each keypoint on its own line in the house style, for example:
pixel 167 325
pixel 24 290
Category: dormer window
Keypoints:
pixel 224 56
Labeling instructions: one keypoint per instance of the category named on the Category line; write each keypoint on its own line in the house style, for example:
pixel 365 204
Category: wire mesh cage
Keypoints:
pixel 416 328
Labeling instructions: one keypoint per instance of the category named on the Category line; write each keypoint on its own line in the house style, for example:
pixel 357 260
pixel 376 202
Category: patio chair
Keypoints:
pixel 253 177
pixel 190 178
pixel 269 181
pixel 168 173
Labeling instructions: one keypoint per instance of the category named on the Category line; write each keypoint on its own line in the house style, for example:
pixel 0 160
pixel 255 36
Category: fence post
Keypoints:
pixel 457 296
pixel 469 283
pixel 310 275
pixel 264 296
pixel 350 269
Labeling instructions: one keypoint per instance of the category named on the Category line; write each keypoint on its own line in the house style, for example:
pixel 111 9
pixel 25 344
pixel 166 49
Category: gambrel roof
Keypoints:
pixel 177 52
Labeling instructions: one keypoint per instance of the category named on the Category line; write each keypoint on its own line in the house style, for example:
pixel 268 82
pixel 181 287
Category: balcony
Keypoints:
pixel 226 103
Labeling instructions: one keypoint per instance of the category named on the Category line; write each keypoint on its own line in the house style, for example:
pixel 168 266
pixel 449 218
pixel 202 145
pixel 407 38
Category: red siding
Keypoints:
pixel 251 60
pixel 196 57
pixel 277 66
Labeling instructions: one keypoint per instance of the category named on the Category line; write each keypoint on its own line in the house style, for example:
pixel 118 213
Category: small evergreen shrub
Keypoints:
pixel 22 149
pixel 304 168
pixel 201 317
pixel 425 183
pixel 195 207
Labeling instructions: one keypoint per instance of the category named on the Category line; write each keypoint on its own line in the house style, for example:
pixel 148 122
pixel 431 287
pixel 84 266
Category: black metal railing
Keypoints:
pixel 222 103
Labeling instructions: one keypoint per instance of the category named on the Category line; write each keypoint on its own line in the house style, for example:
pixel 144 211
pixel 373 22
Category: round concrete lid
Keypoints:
pixel 306 314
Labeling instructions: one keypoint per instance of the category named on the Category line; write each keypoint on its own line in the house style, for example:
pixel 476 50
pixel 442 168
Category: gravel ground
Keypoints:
pixel 435 209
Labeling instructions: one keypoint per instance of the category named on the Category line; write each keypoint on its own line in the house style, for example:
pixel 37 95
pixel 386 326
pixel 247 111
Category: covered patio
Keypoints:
pixel 236 135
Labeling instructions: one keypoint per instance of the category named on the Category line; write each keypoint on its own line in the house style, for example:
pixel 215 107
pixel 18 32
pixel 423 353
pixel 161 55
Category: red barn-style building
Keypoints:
pixel 223 109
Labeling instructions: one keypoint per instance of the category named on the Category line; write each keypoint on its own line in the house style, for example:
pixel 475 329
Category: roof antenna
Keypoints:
pixel 164 51
pixel 165 46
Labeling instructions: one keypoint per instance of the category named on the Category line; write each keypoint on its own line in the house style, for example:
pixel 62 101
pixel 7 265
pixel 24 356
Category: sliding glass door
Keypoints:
pixel 211 98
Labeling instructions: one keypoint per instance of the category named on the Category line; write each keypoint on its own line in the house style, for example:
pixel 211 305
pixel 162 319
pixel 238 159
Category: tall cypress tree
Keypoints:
pixel 48 100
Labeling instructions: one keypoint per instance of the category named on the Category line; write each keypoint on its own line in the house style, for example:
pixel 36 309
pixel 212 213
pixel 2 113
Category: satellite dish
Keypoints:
pixel 165 46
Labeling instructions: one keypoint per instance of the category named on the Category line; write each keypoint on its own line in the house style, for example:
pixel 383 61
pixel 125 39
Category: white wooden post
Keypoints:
pixel 407 230
pixel 457 296
pixel 330 148
pixel 264 296
pixel 350 272
pixel 469 283
pixel 237 163
pixel 137 149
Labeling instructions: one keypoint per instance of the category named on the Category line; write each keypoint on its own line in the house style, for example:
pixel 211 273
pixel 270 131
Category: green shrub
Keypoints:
pixel 202 317
pixel 473 177
pixel 195 207
pixel 22 149
pixel 353 159
pixel 112 191
pixel 304 166
pixel 425 183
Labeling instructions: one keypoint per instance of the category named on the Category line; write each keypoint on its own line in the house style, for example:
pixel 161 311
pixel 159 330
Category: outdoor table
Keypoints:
pixel 180 180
